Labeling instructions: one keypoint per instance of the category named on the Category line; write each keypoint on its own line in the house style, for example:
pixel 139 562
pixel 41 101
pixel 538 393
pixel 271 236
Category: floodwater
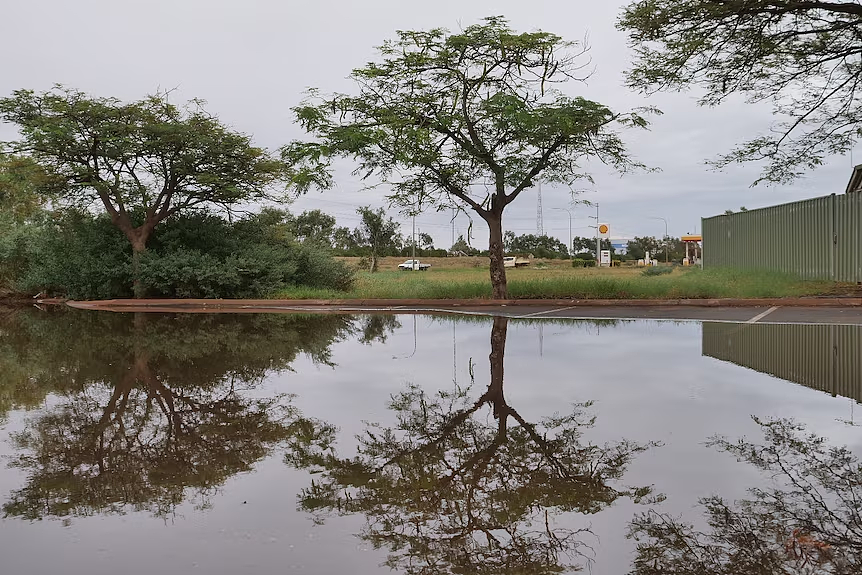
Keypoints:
pixel 417 444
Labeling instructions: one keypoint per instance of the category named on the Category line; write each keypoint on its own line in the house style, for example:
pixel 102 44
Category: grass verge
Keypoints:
pixel 584 283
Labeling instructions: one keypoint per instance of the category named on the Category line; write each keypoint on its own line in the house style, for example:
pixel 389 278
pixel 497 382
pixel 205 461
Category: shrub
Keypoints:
pixel 76 255
pixel 578 263
pixel 657 271
pixel 198 255
pixel 589 263
pixel 316 268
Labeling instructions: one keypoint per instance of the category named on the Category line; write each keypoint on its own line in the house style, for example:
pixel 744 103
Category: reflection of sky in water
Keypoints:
pixel 648 380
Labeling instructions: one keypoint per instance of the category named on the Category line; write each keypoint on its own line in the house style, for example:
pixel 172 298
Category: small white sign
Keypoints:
pixel 606 258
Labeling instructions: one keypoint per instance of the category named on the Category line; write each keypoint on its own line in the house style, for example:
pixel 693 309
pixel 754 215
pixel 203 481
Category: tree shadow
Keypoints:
pixel 463 485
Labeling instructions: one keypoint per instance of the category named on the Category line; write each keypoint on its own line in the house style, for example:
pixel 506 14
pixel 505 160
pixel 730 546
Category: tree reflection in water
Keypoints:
pixel 809 522
pixel 452 489
pixel 146 413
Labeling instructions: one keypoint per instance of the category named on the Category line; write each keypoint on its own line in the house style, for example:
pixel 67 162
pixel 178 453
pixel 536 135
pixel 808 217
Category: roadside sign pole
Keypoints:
pixel 598 240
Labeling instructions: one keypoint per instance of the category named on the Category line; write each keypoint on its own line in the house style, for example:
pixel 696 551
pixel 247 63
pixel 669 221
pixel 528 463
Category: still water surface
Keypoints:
pixel 425 444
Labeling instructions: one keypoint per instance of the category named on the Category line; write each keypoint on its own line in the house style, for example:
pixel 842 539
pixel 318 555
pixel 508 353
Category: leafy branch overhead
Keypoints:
pixel 444 111
pixel 803 56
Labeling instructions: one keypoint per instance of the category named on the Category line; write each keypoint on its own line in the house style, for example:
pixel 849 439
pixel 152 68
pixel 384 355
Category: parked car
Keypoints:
pixel 414 265
pixel 513 262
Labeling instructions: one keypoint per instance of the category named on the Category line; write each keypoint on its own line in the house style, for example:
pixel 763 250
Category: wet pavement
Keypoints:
pixel 423 443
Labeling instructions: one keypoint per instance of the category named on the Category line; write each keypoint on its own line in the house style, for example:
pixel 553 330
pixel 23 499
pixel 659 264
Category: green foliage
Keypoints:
pixel 149 154
pixel 503 94
pixel 314 227
pixel 204 256
pixel 141 163
pixel 804 57
pixel 656 271
pixel 586 247
pixel 579 263
pixel 194 255
pixel 638 247
pixel 440 111
pixel 77 255
pixel 545 247
pixel 376 232
pixel 25 186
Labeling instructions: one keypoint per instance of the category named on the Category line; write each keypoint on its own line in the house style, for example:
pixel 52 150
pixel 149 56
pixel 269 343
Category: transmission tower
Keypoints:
pixel 540 227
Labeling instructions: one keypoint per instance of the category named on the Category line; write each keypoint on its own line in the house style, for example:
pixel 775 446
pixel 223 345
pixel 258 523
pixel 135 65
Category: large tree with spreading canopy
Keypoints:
pixel 140 162
pixel 803 56
pixel 468 120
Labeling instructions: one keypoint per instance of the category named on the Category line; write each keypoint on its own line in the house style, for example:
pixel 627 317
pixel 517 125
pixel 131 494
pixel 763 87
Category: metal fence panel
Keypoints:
pixel 820 238
pixel 848 237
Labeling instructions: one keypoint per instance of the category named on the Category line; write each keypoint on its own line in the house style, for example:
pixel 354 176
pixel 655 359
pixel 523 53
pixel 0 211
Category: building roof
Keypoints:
pixel 855 183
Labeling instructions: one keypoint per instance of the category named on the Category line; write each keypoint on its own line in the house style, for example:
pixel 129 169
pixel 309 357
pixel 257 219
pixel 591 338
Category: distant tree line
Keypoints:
pixel 548 247
pixel 377 235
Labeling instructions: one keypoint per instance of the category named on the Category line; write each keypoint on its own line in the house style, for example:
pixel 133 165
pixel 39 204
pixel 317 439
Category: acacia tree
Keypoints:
pixel 142 162
pixel 375 231
pixel 802 55
pixel 24 188
pixel 467 120
pixel 315 227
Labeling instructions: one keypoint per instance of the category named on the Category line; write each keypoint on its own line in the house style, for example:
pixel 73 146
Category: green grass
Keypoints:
pixel 585 283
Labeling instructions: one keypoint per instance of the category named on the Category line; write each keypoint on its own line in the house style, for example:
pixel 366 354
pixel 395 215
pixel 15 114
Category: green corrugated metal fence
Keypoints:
pixel 822 357
pixel 819 238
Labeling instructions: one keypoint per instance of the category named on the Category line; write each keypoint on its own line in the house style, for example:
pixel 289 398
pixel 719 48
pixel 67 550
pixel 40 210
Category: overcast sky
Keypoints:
pixel 252 61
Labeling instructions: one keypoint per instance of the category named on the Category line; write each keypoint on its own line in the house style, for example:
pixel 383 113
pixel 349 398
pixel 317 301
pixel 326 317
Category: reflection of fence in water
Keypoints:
pixel 823 357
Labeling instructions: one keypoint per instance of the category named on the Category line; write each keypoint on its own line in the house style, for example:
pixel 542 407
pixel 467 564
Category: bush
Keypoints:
pixel 657 271
pixel 254 257
pixel 316 268
pixel 578 263
pixel 197 255
pixel 76 255
pixel 589 263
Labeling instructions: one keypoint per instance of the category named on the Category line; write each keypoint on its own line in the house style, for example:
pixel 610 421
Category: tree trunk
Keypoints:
pixel 495 250
pixel 137 287
pixel 138 238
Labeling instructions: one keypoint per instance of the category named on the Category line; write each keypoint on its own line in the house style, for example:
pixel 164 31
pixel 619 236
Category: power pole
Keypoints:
pixel 665 237
pixel 413 263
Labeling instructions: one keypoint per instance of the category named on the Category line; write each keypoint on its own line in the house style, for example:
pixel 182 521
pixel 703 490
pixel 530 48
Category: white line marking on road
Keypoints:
pixel 760 316
pixel 548 311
